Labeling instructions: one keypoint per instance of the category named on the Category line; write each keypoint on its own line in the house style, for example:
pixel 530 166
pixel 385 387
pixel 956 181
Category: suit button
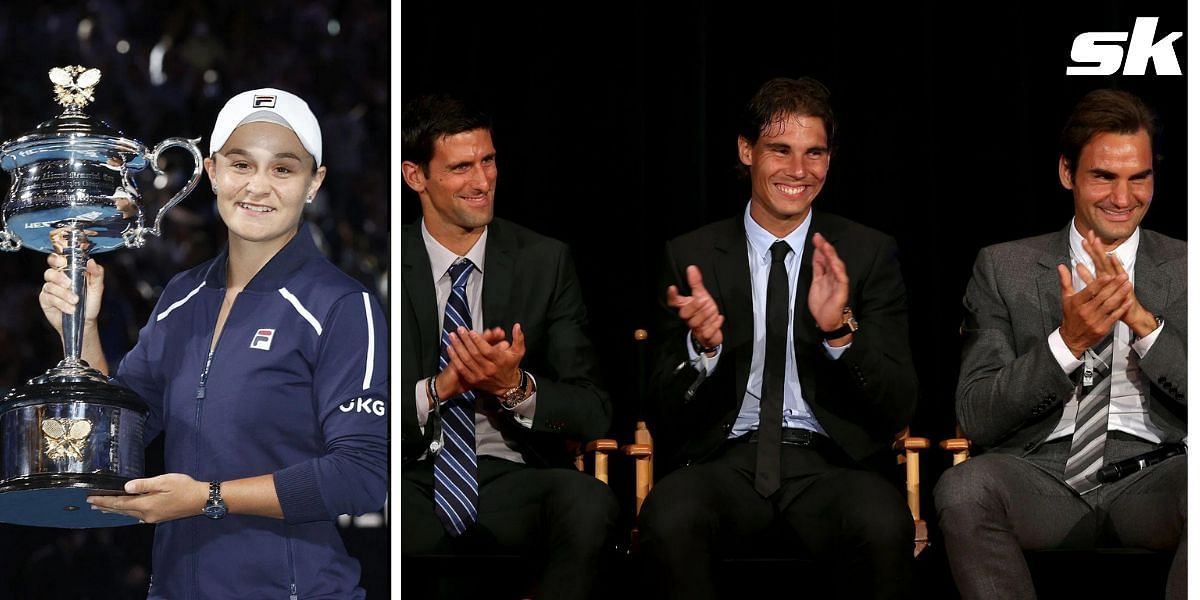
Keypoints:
pixel 727 427
pixel 1030 445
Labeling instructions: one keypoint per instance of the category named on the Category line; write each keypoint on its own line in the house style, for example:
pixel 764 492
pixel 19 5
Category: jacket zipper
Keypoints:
pixel 200 395
pixel 287 539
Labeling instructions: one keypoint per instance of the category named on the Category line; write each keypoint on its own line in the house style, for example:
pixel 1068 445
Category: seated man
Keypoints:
pixel 501 372
pixel 1073 361
pixel 769 395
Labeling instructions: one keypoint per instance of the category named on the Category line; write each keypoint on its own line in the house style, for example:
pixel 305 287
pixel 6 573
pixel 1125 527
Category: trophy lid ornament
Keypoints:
pixel 73 86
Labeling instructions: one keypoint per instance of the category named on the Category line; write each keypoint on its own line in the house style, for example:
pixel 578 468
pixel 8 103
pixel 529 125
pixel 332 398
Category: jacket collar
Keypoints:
pixel 299 250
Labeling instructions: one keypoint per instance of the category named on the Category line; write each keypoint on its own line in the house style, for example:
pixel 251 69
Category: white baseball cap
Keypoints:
pixel 272 106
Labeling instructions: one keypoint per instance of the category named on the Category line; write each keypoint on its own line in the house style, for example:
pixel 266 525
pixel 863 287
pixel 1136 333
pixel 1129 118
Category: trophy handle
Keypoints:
pixel 135 238
pixel 8 241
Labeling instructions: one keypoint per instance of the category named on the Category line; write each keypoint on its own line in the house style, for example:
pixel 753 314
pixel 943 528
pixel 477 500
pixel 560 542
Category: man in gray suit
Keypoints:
pixel 1074 359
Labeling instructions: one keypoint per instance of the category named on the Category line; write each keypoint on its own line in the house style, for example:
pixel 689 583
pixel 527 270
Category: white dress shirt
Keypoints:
pixel 1127 407
pixel 796 412
pixel 488 440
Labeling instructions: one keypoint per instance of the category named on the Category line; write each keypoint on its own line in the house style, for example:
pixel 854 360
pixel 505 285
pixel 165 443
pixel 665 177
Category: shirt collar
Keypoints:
pixel 761 240
pixel 440 258
pixel 1126 252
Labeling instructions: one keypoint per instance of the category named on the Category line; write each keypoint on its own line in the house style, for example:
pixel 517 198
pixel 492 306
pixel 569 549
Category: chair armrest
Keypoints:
pixel 911 443
pixel 955 444
pixel 601 445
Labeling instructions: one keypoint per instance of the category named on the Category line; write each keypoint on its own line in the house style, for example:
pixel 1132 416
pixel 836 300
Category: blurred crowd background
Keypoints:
pixel 167 68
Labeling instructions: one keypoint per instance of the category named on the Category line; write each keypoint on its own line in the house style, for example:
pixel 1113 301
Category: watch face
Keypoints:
pixel 214 510
pixel 512 397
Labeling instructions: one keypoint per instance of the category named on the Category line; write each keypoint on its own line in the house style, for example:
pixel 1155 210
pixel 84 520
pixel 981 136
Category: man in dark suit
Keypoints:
pixel 494 351
pixel 797 317
pixel 1073 360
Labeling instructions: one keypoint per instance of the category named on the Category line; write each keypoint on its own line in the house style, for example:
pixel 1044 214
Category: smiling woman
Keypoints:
pixel 259 437
pixel 263 183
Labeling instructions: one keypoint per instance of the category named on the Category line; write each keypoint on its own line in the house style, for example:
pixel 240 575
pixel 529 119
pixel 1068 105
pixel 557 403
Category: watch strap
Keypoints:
pixel 849 325
pixel 702 349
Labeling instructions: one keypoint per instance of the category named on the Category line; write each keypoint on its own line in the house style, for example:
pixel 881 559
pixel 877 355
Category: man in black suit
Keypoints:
pixel 795 314
pixel 1073 360
pixel 501 372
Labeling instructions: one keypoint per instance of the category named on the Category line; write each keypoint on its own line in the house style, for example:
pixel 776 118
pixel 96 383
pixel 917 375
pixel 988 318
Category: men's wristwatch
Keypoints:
pixel 849 325
pixel 215 507
pixel 702 349
pixel 511 397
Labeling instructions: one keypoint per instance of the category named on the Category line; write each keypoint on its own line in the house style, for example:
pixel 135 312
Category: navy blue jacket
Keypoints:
pixel 297 387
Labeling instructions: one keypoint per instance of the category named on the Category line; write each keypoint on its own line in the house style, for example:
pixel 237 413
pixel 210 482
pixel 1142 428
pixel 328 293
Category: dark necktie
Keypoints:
pixel 455 482
pixel 1091 418
pixel 770 404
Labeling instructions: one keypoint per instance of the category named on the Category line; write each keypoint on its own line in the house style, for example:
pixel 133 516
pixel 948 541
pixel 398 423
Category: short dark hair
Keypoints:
pixel 1103 111
pixel 426 119
pixel 781 98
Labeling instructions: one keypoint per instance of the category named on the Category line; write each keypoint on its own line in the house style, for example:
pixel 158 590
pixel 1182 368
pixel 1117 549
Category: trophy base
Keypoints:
pixel 61 442
pixel 60 500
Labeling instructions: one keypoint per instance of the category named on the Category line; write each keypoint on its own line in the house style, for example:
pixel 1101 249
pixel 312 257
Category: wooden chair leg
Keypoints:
pixel 600 448
pixel 911 458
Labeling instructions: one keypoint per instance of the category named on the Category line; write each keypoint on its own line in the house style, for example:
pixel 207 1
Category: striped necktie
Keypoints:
pixel 1091 418
pixel 455 481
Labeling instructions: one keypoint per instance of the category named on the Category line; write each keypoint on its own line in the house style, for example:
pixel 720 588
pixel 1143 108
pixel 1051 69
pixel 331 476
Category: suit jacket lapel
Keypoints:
pixel 732 282
pixel 1151 283
pixel 498 274
pixel 417 281
pixel 804 327
pixel 1049 288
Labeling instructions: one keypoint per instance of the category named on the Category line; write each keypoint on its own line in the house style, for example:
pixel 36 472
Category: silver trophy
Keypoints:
pixel 69 433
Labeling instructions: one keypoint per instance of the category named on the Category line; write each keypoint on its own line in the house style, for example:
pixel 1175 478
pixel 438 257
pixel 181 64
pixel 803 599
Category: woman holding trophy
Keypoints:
pixel 265 369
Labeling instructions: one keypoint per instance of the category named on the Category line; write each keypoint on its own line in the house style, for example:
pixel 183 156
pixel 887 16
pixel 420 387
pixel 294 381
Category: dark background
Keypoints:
pixel 333 53
pixel 614 133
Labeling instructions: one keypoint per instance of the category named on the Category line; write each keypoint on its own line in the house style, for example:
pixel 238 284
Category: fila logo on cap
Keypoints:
pixel 264 102
pixel 262 339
